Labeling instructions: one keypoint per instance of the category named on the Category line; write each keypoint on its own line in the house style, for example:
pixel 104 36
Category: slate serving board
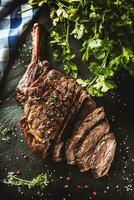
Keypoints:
pixel 66 182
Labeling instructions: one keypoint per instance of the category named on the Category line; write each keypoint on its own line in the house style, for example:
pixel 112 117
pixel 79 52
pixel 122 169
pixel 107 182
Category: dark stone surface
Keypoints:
pixel 118 185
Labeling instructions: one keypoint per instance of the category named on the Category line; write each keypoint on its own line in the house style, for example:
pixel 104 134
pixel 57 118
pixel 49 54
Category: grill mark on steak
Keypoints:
pixel 86 150
pixel 103 155
pixel 80 133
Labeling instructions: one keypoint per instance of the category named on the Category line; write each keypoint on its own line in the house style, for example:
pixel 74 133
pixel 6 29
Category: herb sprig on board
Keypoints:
pixel 40 181
pixel 105 30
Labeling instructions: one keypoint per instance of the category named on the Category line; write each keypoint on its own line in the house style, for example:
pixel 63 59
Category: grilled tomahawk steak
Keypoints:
pixel 51 102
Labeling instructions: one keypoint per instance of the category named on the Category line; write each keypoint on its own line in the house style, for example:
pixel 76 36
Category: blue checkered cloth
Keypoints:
pixel 13 22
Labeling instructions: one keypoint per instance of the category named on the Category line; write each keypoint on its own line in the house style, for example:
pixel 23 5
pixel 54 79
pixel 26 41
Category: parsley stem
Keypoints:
pixel 92 81
pixel 105 60
pixel 67 32
pixel 61 5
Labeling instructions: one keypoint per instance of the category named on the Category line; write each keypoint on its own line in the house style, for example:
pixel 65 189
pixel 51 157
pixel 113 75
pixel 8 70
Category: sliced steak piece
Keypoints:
pixel 86 150
pixel 59 140
pixel 103 155
pixel 80 132
pixel 63 134
pixel 83 101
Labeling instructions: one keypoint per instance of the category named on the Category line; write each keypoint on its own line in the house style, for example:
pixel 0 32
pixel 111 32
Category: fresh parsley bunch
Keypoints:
pixel 105 30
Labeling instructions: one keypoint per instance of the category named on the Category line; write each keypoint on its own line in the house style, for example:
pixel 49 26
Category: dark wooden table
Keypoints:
pixel 66 183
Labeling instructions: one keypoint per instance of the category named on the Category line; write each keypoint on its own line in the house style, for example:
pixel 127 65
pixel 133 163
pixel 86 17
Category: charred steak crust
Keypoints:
pixel 52 102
